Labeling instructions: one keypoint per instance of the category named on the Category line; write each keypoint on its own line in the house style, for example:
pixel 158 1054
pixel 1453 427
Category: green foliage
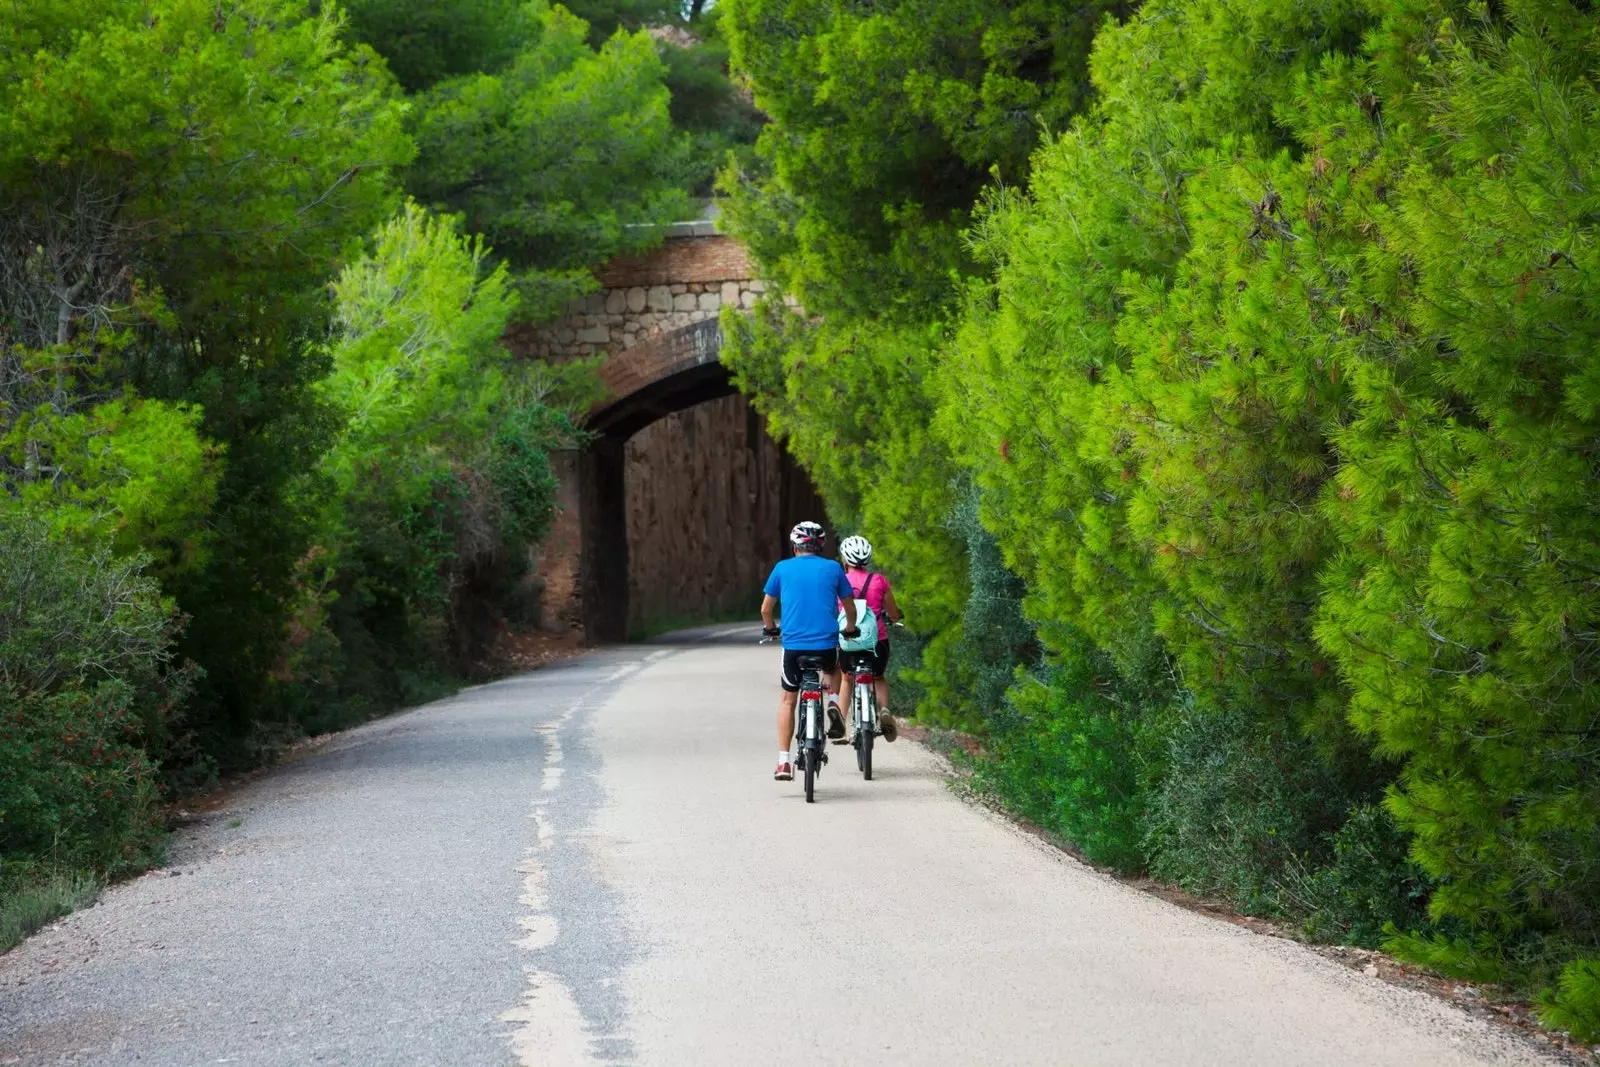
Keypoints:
pixel 718 118
pixel 1369 887
pixel 887 120
pixel 437 484
pixel 181 179
pixel 132 471
pixel 1106 469
pixel 1574 1005
pixel 995 636
pixel 78 787
pixel 428 41
pixel 87 692
pixel 560 160
pixel 417 363
pixel 1462 606
pixel 1063 754
pixel 136 119
pixel 520 468
pixel 71 617
pixel 1237 808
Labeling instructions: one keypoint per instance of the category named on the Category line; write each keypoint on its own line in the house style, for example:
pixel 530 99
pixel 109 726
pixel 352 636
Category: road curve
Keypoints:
pixel 591 864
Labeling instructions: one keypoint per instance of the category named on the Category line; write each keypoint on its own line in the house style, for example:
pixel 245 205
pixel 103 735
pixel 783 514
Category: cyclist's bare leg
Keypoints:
pixel 842 683
pixel 786 701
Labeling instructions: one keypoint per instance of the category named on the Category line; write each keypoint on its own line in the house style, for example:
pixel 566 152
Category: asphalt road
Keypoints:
pixel 592 864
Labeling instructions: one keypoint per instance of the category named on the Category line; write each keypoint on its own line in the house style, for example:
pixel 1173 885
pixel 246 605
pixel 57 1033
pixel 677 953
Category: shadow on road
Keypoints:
pixel 728 634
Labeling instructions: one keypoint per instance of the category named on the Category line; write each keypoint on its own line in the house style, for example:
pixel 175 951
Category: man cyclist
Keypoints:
pixel 874 589
pixel 809 587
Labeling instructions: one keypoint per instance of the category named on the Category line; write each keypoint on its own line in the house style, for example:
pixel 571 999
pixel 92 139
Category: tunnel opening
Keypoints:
pixel 709 506
pixel 680 501
pixel 684 510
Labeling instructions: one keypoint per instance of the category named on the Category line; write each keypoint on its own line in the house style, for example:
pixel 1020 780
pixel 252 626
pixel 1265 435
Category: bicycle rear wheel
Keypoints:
pixel 865 722
pixel 811 776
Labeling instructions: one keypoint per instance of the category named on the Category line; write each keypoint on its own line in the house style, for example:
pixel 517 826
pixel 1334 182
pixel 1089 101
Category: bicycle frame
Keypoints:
pixel 809 723
pixel 863 698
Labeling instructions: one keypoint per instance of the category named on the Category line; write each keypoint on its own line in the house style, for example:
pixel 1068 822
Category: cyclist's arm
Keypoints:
pixel 849 615
pixel 768 604
pixel 890 607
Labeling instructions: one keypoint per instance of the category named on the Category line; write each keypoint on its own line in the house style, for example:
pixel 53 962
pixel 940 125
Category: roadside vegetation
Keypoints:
pixel 265 467
pixel 1218 379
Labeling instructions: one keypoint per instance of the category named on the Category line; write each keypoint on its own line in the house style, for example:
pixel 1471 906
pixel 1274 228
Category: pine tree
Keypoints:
pixel 1463 607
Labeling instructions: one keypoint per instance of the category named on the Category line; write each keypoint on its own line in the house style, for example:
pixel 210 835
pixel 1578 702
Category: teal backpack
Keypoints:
pixel 866 619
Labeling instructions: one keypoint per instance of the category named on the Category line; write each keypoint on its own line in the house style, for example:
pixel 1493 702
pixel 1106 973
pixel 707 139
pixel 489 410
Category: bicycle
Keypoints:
pixel 864 706
pixel 810 722
pixel 863 709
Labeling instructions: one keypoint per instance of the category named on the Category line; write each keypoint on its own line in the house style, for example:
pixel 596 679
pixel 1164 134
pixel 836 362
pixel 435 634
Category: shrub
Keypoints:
pixel 1575 1002
pixel 520 468
pixel 1062 754
pixel 1240 809
pixel 76 787
pixel 71 616
pixel 86 691
pixel 1370 886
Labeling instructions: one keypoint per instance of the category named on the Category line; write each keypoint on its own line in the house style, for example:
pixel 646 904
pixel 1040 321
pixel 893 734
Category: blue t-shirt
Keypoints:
pixel 810 588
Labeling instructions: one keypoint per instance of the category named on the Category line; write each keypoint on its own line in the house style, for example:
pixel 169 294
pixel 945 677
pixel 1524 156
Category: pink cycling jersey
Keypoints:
pixel 873 588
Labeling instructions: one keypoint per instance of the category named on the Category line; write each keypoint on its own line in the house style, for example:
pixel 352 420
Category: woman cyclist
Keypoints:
pixel 874 589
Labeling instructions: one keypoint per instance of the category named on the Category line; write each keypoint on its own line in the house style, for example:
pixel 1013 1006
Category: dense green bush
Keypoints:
pixel 76 787
pixel 1369 887
pixel 1064 754
pixel 1240 812
pixel 88 693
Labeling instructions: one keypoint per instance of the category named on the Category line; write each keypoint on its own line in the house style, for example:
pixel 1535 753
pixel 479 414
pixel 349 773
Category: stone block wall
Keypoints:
pixel 687 280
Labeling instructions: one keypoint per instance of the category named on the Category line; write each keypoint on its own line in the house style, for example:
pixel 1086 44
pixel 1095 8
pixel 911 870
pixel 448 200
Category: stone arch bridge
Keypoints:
pixel 681 501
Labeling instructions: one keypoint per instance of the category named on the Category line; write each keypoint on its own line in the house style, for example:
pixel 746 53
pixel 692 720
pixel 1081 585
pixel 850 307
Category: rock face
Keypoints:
pixel 711 498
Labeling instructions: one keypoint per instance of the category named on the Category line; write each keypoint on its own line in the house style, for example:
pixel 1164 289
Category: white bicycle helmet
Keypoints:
pixel 857 551
pixel 808 535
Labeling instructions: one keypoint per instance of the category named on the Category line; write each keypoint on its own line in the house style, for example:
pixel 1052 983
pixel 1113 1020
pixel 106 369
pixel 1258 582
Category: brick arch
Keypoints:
pixel 654 319
pixel 668 373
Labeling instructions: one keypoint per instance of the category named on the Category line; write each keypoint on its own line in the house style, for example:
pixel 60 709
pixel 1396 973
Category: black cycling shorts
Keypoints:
pixel 790 678
pixel 876 661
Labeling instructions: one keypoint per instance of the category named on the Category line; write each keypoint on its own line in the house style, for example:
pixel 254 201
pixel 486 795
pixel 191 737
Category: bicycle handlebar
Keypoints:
pixel 767 639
